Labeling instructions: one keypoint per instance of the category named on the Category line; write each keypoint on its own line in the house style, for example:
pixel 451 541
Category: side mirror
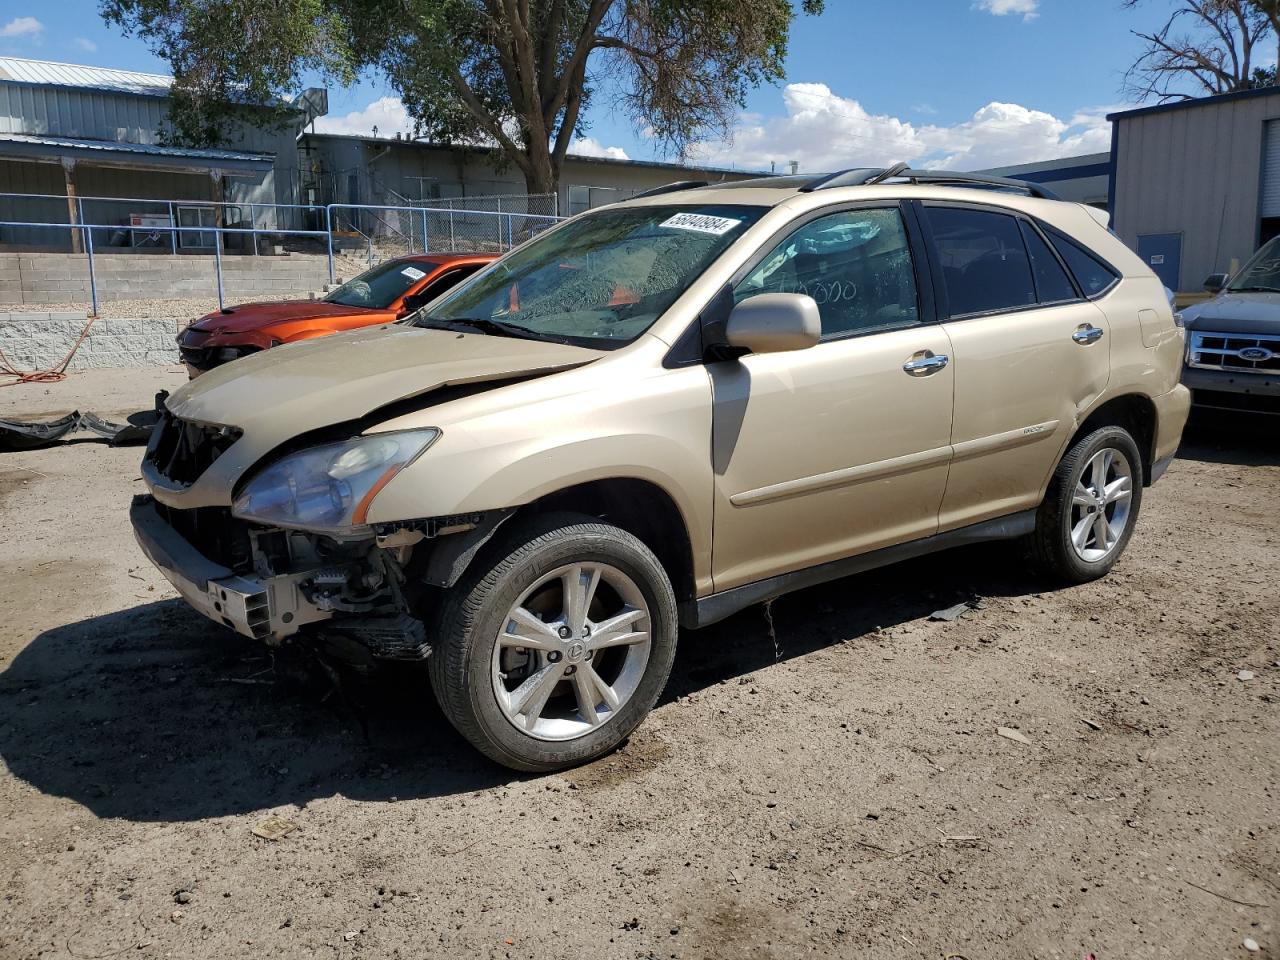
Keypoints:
pixel 774 322
pixel 1215 282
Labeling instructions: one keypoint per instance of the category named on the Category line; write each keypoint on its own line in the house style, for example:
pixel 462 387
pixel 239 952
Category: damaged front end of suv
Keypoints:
pixel 294 549
pixel 264 525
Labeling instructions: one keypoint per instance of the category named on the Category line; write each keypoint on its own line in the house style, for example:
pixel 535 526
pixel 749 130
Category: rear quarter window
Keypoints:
pixel 1094 275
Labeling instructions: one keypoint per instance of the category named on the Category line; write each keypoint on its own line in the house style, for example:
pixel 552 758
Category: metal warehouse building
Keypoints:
pixel 1082 179
pixel 1197 184
pixel 70 132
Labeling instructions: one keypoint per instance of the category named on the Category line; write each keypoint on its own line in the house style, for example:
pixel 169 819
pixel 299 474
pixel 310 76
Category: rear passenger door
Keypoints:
pixel 1030 352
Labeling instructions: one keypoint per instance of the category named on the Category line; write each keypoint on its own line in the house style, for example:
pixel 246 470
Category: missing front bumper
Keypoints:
pixel 270 608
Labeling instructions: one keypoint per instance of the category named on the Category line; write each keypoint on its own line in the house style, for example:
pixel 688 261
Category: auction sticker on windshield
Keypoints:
pixel 413 273
pixel 701 223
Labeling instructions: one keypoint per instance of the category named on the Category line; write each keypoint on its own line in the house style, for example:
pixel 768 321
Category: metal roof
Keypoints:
pixel 29 145
pixel 1195 102
pixel 50 74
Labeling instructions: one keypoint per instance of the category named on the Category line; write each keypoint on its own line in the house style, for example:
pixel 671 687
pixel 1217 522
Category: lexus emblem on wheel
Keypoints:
pixel 1255 354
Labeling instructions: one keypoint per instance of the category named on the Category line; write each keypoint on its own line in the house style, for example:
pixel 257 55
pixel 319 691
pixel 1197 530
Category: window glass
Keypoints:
pixel 1052 283
pixel 984 262
pixel 602 278
pixel 856 265
pixel 1262 272
pixel 1093 276
pixel 378 288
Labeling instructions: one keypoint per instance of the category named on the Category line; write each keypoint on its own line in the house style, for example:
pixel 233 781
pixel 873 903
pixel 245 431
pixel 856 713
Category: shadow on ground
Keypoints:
pixel 155 714
pixel 1246 439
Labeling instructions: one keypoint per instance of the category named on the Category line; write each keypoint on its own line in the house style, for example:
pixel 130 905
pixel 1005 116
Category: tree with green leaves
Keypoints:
pixel 515 74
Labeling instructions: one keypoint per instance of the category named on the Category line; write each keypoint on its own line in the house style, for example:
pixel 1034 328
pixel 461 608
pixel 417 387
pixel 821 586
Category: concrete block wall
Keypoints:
pixel 37 341
pixel 37 278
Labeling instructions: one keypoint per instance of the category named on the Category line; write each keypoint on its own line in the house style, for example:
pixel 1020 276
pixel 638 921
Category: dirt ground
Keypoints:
pixel 840 791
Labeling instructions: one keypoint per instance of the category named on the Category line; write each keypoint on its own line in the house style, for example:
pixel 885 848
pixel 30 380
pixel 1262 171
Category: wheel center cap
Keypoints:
pixel 574 651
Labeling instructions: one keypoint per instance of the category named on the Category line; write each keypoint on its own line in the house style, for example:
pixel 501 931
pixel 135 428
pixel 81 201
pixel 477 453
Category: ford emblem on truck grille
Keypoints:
pixel 1255 354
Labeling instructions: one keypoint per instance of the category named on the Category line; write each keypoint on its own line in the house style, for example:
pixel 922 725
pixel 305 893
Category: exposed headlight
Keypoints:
pixel 330 488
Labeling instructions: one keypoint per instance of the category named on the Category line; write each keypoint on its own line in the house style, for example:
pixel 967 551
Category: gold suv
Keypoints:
pixel 660 412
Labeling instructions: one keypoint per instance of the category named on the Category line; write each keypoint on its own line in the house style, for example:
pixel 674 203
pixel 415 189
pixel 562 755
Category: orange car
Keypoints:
pixel 389 291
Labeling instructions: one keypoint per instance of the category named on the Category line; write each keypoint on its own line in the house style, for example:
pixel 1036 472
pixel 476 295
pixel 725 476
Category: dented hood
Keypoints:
pixel 291 389
pixel 278 394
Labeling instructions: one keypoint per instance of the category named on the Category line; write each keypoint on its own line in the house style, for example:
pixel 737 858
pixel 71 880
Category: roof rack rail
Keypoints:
pixel 672 188
pixel 853 177
pixel 979 180
pixel 869 176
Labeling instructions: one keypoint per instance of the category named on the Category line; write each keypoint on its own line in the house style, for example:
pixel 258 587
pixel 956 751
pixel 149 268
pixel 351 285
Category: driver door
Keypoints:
pixel 842 448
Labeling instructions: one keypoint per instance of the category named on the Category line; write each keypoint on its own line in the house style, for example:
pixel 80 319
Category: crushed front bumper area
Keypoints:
pixel 258 608
pixel 273 607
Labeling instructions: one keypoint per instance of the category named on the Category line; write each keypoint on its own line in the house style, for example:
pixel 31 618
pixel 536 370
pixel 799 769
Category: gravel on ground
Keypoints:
pixel 827 781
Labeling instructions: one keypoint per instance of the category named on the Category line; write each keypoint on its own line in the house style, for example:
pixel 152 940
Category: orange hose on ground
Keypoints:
pixel 52 374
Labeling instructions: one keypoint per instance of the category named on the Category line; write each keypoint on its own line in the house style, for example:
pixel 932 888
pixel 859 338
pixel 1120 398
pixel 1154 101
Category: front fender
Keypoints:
pixel 656 430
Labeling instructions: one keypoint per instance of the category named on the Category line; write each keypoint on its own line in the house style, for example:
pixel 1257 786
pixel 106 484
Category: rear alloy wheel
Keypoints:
pixel 1100 505
pixel 1090 508
pixel 557 643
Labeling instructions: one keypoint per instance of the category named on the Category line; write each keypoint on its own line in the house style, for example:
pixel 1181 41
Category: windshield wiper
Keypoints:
pixel 494 328
pixel 1254 289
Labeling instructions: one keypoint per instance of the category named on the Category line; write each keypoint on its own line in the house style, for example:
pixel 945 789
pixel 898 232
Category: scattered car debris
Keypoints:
pixel 136 430
pixel 273 828
pixel 1244 675
pixel 1011 734
pixel 1251 945
pixel 32 434
pixel 1091 724
pixel 949 614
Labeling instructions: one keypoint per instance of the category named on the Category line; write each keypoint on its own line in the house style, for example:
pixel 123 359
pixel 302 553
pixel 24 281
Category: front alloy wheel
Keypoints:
pixel 572 652
pixel 556 643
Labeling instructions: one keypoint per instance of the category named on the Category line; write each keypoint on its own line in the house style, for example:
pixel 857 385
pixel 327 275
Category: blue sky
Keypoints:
pixel 965 83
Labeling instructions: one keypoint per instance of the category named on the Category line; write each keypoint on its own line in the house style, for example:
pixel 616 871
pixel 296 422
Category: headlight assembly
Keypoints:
pixel 330 488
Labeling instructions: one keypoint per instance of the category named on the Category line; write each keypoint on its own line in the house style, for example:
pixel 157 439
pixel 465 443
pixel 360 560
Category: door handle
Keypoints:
pixel 1087 333
pixel 925 363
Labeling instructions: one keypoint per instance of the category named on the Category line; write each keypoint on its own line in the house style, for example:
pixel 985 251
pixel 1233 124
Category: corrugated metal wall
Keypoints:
pixel 72 112
pixel 1194 171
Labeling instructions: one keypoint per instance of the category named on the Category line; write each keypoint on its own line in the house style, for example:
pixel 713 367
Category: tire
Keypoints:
pixel 1051 545
pixel 480 679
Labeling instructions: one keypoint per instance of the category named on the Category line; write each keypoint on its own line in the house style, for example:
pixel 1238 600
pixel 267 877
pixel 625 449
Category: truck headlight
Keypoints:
pixel 329 488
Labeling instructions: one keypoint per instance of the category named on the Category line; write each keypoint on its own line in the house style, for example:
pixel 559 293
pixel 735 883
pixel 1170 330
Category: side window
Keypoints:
pixel 984 262
pixel 1052 283
pixel 855 264
pixel 447 281
pixel 1094 276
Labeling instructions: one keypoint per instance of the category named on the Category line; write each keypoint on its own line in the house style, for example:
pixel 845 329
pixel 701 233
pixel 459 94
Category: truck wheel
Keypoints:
pixel 1088 512
pixel 556 644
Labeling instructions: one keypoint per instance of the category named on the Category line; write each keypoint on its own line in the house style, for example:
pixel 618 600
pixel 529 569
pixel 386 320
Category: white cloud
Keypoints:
pixel 824 131
pixel 387 114
pixel 22 27
pixel 591 147
pixel 1002 8
pixel 85 44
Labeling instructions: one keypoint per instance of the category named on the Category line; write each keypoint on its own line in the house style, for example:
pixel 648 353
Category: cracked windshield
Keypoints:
pixel 602 279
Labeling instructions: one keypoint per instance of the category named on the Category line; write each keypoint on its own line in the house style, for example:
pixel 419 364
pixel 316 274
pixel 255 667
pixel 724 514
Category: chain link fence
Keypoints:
pixel 377 233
